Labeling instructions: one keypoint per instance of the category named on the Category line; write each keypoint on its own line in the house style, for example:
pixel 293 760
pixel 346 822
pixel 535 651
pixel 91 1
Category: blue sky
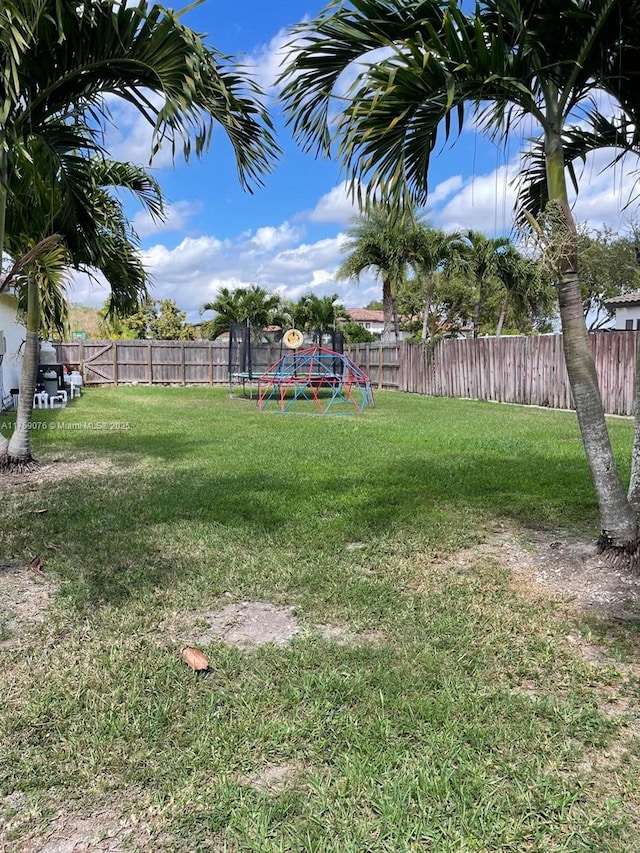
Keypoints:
pixel 288 235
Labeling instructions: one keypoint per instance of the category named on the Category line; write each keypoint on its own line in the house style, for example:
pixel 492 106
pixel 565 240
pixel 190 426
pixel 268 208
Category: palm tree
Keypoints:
pixel 527 293
pixel 504 60
pixel 435 252
pixel 253 306
pixel 383 238
pixel 479 262
pixel 319 314
pixel 60 58
pixel 97 236
pixel 228 306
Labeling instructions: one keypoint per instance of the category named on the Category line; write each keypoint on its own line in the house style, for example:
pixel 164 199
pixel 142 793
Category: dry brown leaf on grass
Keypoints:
pixel 51 545
pixel 195 659
pixel 35 564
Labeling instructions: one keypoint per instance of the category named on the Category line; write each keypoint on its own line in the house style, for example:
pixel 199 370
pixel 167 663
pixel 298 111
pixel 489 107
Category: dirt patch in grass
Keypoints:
pixel 559 564
pixel 25 596
pixel 571 568
pixel 250 624
pixel 273 778
pixel 53 470
pixel 109 827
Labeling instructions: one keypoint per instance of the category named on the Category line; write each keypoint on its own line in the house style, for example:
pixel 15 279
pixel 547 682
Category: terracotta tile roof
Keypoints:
pixel 360 315
pixel 632 298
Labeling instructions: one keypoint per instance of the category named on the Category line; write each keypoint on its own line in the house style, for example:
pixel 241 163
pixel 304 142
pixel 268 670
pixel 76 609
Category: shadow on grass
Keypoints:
pixel 124 535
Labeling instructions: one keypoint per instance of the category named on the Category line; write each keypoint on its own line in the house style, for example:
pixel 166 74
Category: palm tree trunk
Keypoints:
pixel 476 318
pixel 4 442
pixel 19 449
pixel 503 314
pixel 618 520
pixel 388 310
pixel 4 182
pixel 428 295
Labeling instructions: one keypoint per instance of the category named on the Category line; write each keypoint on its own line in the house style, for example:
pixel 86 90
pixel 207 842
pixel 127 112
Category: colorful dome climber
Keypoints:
pixel 315 379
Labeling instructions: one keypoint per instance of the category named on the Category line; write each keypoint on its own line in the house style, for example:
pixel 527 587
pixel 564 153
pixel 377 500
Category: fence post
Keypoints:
pixel 114 350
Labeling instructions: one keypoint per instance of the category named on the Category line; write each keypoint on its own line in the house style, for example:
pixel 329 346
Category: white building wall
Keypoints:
pixel 627 313
pixel 14 333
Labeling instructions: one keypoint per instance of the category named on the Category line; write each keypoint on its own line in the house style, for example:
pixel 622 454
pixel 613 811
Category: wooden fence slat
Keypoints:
pixel 114 351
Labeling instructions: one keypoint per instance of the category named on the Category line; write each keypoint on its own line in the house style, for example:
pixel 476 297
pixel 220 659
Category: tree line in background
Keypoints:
pixel 434 284
pixel 253 305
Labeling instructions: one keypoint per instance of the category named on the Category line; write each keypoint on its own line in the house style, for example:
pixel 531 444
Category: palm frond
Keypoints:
pixel 74 54
pixel 504 60
pixel 48 269
pixel 618 134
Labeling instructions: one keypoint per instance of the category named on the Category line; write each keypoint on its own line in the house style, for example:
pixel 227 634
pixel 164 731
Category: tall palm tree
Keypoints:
pixel 384 238
pixel 504 60
pixel 480 261
pixel 60 58
pixel 435 252
pixel 527 293
pixel 98 237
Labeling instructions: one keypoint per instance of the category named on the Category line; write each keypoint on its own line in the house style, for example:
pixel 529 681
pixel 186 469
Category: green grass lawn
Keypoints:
pixel 468 724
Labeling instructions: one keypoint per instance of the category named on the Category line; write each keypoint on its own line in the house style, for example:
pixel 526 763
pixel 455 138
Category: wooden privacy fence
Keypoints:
pixel 530 371
pixel 125 362
pixel 525 370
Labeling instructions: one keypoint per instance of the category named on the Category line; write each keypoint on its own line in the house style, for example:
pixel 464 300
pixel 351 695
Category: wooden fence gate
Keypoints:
pixel 125 362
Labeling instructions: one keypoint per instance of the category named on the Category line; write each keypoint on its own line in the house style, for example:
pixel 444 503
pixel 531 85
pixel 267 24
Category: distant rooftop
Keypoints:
pixel 360 315
pixel 632 298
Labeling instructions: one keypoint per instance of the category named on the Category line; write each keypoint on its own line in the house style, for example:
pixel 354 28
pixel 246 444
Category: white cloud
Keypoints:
pixel 484 203
pixel 265 63
pixel 445 189
pixel 337 206
pixel 268 238
pixel 177 217
pixel 308 256
pixel 606 192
